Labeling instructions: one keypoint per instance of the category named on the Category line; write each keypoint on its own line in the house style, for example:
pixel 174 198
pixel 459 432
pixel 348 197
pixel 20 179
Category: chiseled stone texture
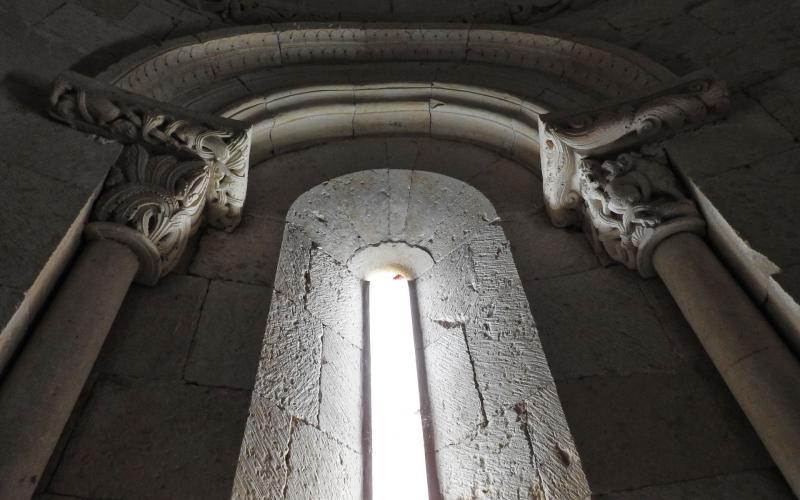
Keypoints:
pixel 291 359
pixel 263 456
pixel 333 295
pixel 340 405
pixel 154 328
pixel 322 467
pixel 499 428
pixel 226 347
pixel 160 440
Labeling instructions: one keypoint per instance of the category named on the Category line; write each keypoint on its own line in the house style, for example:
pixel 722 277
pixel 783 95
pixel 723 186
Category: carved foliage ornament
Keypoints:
pixel 152 204
pixel 567 138
pixel 223 144
pixel 632 202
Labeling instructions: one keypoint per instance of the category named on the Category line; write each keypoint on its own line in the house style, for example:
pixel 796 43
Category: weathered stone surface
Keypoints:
pixel 543 251
pixel 507 356
pixel 321 467
pixel 781 97
pixel 226 347
pixel 263 466
pixel 448 292
pixel 340 390
pixel 495 463
pixel 399 187
pixel 364 201
pixel 749 485
pixel 456 405
pixel 584 332
pixel 333 296
pixel 634 431
pixel 154 329
pixel 291 359
pixel 248 255
pixel 748 134
pixel 552 447
pixel 154 440
pixel 291 278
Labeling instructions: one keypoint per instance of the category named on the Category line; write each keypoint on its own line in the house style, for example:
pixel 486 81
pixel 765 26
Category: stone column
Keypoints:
pixel 603 167
pixel 177 168
pixel 40 391
pixel 759 369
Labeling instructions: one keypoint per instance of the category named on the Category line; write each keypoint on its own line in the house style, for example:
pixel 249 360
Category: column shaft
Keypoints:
pixel 760 371
pixel 44 383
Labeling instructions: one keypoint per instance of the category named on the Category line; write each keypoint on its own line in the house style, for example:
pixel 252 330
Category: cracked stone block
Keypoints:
pixel 340 404
pixel 399 186
pixel 321 467
pixel 293 264
pixel 507 356
pixel 153 330
pixel 746 485
pixel 262 468
pixel 542 251
pixel 494 463
pixel 164 440
pixel 654 428
pixel 226 346
pixel 456 406
pixel 553 449
pixel 291 359
pixel 363 199
pixel 585 333
pixel 333 296
pixel 248 255
pixel 448 292
pixel 319 213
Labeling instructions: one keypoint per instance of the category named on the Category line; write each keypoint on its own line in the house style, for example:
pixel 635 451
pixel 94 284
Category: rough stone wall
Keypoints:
pixel 745 167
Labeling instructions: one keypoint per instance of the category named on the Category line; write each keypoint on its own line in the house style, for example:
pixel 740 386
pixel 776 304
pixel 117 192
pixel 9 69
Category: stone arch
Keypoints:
pixel 489 381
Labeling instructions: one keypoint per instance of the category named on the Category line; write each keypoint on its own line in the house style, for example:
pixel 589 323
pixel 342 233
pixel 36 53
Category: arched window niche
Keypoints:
pixel 497 429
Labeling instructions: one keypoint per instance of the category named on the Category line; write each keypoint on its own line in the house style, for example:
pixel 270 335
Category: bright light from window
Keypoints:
pixel 398 453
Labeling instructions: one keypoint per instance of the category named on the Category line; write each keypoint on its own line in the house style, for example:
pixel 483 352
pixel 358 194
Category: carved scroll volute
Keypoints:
pixel 98 108
pixel 633 202
pixel 152 204
pixel 568 138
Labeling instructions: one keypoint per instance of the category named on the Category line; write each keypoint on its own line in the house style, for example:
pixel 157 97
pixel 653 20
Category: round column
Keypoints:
pixel 759 369
pixel 41 389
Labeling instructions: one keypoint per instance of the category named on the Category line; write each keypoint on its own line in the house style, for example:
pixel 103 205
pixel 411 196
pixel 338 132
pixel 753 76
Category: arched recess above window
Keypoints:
pixel 498 427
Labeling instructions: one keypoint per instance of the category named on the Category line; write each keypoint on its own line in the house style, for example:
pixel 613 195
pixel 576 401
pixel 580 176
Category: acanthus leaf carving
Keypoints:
pixel 153 204
pixel 632 202
pixel 103 110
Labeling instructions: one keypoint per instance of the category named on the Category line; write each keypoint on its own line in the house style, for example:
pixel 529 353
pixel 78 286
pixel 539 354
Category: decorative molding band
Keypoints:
pixel 596 165
pixel 98 108
pixel 632 203
pixel 175 164
pixel 568 138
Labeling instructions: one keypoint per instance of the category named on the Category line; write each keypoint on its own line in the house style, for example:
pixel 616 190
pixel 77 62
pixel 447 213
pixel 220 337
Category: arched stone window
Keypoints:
pixel 498 430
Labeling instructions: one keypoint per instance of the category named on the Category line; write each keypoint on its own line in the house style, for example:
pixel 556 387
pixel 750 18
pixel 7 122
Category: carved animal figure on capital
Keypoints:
pixel 632 190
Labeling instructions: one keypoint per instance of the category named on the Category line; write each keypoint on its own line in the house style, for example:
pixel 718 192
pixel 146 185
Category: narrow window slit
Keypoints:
pixel 398 448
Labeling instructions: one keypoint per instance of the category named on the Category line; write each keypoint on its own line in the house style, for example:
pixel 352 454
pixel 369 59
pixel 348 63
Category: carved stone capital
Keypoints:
pixel 224 145
pixel 568 138
pixel 152 204
pixel 632 202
